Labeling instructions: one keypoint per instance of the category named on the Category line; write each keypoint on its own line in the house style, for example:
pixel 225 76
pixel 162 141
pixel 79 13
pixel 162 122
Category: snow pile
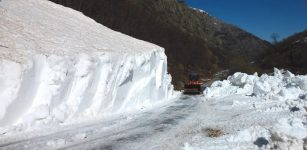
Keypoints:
pixel 58 66
pixel 280 86
pixel 266 112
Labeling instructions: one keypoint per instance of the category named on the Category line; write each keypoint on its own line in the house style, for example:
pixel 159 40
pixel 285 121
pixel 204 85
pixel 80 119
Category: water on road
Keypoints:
pixel 137 133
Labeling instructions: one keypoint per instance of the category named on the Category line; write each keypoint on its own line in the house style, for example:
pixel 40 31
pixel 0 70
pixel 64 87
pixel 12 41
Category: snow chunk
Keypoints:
pixel 220 89
pixel 238 79
pixel 290 93
pixel 261 88
pixel 303 82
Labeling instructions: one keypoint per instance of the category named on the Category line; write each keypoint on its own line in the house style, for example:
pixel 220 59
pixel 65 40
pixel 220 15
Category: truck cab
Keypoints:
pixel 193 87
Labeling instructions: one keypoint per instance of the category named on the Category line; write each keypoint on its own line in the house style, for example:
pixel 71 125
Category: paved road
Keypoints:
pixel 104 136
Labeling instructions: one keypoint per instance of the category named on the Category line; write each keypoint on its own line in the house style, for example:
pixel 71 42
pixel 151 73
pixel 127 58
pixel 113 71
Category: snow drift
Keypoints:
pixel 58 66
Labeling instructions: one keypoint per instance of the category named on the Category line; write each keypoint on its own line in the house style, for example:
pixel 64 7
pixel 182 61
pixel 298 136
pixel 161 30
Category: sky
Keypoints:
pixel 259 17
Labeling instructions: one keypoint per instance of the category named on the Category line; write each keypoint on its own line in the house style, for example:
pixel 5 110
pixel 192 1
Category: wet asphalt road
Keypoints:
pixel 143 126
pixel 151 123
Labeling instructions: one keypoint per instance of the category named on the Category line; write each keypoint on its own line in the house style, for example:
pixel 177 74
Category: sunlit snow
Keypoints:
pixel 57 66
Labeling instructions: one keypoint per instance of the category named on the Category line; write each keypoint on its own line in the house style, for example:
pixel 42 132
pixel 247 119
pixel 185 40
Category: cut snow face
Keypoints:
pixel 59 66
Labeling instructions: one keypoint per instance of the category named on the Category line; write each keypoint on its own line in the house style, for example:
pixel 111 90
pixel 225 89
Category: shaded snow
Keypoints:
pixel 57 66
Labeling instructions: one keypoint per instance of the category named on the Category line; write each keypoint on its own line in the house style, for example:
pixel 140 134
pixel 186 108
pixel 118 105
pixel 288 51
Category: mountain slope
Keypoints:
pixel 193 40
pixel 290 53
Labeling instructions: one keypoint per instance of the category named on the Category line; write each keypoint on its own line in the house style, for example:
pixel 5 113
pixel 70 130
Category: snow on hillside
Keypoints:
pixel 58 67
pixel 252 112
pixel 201 11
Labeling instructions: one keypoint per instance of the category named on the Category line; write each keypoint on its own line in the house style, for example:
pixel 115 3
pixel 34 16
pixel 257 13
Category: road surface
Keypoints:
pixel 121 133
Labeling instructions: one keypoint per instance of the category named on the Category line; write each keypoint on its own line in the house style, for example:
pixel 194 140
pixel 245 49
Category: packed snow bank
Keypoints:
pixel 58 66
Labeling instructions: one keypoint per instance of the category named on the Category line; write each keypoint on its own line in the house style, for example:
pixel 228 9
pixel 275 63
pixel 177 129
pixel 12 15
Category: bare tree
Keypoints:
pixel 274 37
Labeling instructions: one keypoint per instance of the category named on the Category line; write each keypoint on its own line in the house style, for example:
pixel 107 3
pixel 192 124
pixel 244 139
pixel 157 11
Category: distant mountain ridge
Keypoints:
pixel 194 41
pixel 291 53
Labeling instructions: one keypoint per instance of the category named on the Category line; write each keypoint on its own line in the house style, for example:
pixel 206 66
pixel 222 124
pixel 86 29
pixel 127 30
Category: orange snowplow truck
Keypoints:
pixel 193 87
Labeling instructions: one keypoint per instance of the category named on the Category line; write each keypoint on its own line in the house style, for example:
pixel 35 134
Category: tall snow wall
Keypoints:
pixel 58 66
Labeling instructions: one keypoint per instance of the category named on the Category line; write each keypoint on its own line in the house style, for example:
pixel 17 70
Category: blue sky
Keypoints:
pixel 259 17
